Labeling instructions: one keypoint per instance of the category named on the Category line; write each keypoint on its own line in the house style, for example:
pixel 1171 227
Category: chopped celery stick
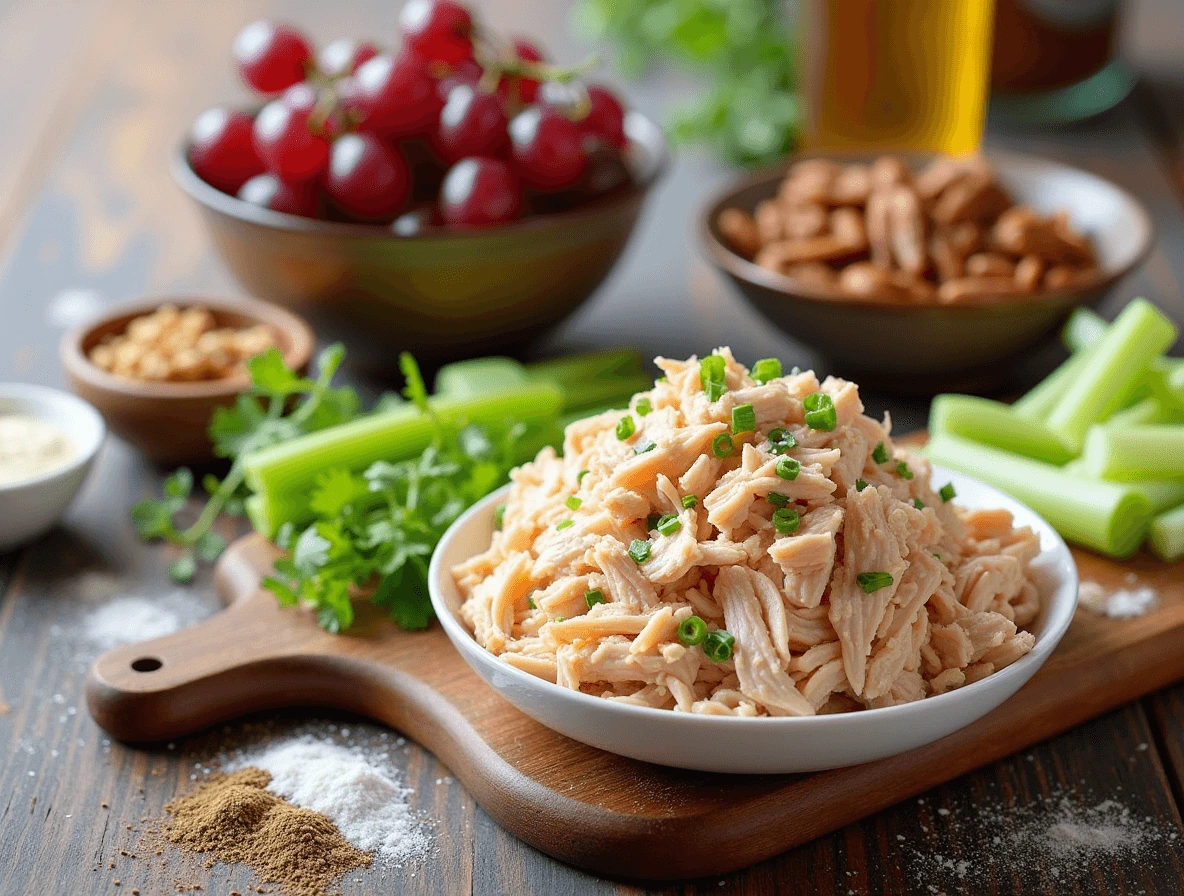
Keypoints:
pixel 1105 516
pixel 1161 494
pixel 1167 534
pixel 994 423
pixel 480 376
pixel 1113 369
pixel 595 378
pixel 1149 410
pixel 292 467
pixel 1037 403
pixel 1128 453
pixel 1083 328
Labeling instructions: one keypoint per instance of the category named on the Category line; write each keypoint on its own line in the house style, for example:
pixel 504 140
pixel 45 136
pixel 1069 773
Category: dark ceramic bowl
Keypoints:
pixel 931 345
pixel 439 293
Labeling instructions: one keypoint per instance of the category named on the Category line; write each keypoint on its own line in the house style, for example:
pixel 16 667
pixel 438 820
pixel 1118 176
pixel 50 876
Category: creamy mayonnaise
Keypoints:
pixel 31 448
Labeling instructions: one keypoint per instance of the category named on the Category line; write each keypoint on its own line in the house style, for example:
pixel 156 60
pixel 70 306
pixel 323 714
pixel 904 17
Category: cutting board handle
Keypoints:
pixel 164 687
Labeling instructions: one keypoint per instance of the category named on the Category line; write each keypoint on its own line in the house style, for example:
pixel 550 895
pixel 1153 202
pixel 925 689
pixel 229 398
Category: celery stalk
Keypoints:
pixel 292 467
pixel 1161 494
pixel 1038 402
pixel 1166 536
pixel 1141 413
pixel 1083 328
pixel 1126 453
pixel 1113 369
pixel 480 376
pixel 993 423
pixel 594 379
pixel 1105 516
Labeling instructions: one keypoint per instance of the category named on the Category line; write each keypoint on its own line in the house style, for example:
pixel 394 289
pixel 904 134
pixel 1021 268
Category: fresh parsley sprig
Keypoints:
pixel 280 405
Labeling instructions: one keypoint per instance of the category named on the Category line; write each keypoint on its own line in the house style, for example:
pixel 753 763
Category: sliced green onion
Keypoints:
pixel 788 468
pixel 918 503
pixel 873 581
pixel 820 411
pixel 711 375
pixel 530 603
pixel 860 484
pixel 947 492
pixel 643 407
pixel 559 618
pixel 1106 516
pixel 717 646
pixel 743 419
pixel 644 447
pixel 668 524
pixel 786 520
pixel 625 427
pixel 692 631
pixel 689 501
pixel 722 445
pixel 880 453
pixel 651 521
pixel 593 597
pixel 564 524
pixel 573 503
pixel 903 471
pixel 766 369
pixel 580 476
pixel 777 499
pixel 781 440
pixel 639 550
pixel 499 516
pixel 1166 534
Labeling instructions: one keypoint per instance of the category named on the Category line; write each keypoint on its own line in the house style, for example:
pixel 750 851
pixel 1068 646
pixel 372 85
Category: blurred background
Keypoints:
pixel 98 93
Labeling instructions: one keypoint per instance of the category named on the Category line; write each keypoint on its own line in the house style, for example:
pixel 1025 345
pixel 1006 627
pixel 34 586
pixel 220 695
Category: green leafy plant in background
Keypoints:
pixel 743 49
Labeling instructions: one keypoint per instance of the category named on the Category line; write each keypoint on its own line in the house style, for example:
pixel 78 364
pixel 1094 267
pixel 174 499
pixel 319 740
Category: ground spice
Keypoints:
pixel 236 820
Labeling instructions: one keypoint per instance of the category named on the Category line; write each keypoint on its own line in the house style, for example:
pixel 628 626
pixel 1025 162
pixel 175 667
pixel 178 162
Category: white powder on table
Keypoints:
pixel 1125 603
pixel 367 802
pixel 126 620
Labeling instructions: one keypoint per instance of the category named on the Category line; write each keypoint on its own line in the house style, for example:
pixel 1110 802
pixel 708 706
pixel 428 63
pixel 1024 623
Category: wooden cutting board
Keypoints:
pixel 593 809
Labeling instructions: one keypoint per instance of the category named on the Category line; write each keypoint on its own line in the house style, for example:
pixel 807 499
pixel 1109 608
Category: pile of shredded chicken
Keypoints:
pixel 809 639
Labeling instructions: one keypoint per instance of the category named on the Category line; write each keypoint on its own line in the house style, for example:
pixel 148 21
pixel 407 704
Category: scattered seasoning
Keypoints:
pixel 126 620
pixel 1123 603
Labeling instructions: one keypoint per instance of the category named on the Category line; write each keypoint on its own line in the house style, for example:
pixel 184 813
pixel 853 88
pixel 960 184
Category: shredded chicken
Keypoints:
pixel 879 592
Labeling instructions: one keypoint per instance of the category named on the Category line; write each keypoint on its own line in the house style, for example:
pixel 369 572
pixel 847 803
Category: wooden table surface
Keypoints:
pixel 93 96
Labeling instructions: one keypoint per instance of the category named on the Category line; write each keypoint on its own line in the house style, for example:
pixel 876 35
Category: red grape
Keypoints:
pixel 285 141
pixel 268 191
pixel 522 90
pixel 568 98
pixel 271 57
pixel 221 151
pixel 342 57
pixel 367 179
pixel 606 118
pixel 396 97
pixel 548 149
pixel 439 30
pixel 466 72
pixel 480 193
pixel 472 123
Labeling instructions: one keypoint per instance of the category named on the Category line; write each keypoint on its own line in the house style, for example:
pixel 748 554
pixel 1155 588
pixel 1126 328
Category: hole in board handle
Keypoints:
pixel 146 664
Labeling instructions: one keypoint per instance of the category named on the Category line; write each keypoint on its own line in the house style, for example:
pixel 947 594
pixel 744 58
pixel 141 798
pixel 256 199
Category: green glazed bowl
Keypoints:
pixel 442 294
pixel 921 347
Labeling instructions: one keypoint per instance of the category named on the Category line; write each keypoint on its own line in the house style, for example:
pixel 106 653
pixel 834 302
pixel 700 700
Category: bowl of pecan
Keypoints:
pixel 945 265
pixel 157 369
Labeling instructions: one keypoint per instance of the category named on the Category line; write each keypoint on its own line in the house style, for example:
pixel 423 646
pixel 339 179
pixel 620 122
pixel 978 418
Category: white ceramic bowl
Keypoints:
pixel 759 745
pixel 30 507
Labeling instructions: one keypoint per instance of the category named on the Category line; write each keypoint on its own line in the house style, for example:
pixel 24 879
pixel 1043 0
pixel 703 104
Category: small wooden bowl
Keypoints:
pixel 168 421
pixel 921 346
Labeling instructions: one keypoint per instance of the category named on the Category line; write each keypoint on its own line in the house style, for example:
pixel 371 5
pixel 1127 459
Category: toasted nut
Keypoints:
pixel 867 281
pixel 1021 231
pixel 802 221
pixel 813 273
pixel 906 230
pixel 103 355
pixel 888 171
pixel 774 257
pixel 739 230
pixel 990 264
pixel 1081 245
pixel 851 186
pixel 876 227
pixel 944 172
pixel 1028 271
pixel 947 261
pixel 809 181
pixel 153 366
pixel 778 256
pixel 967 238
pixel 1063 276
pixel 253 341
pixel 968 288
pixel 846 224
pixel 770 221
pixel 975 197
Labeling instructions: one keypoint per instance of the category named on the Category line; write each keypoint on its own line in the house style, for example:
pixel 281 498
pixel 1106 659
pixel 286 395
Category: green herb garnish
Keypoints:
pixel 668 524
pixel 689 501
pixel 777 499
pixel 722 445
pixel 786 520
pixel 593 597
pixel 625 427
pixel 639 550
pixel 947 492
pixel 643 407
pixel 788 468
pixel 766 369
pixel 880 453
pixel 873 581
pixel 903 471
pixel 692 631
pixel 717 646
pixel 743 419
pixel 820 411
pixel 711 376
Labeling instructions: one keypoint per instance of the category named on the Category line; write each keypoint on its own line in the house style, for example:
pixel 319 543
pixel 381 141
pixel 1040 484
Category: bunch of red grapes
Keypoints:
pixel 454 127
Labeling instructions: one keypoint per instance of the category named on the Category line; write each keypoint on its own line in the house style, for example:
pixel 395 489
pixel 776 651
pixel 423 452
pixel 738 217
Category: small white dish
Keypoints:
pixel 31 506
pixel 759 745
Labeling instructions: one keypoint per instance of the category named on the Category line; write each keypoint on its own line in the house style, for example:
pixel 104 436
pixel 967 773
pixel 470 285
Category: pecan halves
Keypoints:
pixel 740 232
pixel 906 230
pixel 1021 231
pixel 969 288
pixel 975 197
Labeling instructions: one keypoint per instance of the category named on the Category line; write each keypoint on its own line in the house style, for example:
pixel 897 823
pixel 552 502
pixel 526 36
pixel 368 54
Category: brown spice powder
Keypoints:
pixel 236 820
